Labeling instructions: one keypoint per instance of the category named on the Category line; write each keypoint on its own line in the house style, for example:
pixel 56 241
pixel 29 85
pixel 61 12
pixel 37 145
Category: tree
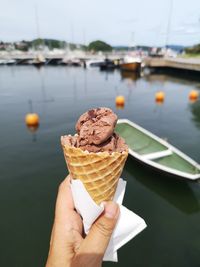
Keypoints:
pixel 99 46
pixel 193 50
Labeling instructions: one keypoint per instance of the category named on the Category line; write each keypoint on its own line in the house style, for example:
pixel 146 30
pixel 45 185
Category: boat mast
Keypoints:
pixel 133 41
pixel 169 23
pixel 37 22
pixel 38 27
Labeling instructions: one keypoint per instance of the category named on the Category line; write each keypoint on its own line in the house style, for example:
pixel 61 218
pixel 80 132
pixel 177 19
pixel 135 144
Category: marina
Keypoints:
pixel 100 133
pixel 107 62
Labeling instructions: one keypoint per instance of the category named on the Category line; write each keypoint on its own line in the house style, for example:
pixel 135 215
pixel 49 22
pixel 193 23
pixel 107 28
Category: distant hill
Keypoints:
pixel 51 43
pixel 54 43
pixel 99 45
pixel 193 49
pixel 24 45
pixel 120 47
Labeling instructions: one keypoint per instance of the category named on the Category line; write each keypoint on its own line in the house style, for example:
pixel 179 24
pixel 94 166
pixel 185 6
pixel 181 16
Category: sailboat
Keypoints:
pixel 39 60
pixel 131 62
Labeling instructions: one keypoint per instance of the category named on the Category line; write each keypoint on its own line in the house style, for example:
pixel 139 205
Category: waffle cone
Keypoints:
pixel 99 172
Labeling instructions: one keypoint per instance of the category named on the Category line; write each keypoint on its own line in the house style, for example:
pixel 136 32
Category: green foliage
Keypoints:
pixel 99 46
pixel 51 43
pixel 72 46
pixel 193 50
pixel 54 43
pixel 2 48
pixel 37 42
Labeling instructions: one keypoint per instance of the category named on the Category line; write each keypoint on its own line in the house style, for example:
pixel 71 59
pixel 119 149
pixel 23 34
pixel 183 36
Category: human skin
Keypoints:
pixel 68 246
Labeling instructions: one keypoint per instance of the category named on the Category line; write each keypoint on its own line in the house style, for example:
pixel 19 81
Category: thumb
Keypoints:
pixel 99 235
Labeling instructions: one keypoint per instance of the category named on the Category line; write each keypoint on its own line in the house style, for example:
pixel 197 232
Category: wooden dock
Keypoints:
pixel 190 64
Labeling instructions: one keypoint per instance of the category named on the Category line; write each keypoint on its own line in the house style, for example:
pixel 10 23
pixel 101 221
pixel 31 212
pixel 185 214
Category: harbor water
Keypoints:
pixel 33 166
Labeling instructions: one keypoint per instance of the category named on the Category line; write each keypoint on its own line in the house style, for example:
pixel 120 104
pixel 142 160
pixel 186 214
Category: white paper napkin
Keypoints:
pixel 128 226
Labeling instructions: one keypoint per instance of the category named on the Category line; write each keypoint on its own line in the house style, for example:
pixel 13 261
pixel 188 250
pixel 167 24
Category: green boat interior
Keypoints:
pixel 151 149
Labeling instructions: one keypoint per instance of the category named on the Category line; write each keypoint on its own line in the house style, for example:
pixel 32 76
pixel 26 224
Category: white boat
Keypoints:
pixel 39 60
pixel 3 61
pixel 94 63
pixel 7 61
pixel 71 61
pixel 156 152
pixel 11 62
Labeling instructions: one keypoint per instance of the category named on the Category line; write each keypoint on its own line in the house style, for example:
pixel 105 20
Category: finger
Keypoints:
pixel 64 202
pixel 66 219
pixel 99 235
pixel 52 235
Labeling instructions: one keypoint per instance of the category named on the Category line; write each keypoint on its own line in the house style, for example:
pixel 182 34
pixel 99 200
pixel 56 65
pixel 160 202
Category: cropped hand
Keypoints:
pixel 68 246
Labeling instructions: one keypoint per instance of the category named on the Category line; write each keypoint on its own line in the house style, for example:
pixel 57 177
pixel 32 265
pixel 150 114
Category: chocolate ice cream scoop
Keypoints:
pixel 95 132
pixel 96 126
pixel 114 143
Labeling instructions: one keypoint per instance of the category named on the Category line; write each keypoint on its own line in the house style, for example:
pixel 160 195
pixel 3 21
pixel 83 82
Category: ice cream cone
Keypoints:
pixel 99 172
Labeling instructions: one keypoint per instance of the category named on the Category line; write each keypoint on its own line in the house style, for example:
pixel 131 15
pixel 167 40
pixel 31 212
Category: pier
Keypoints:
pixel 188 64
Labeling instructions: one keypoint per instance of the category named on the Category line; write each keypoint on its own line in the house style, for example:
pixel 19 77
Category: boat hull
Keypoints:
pixel 133 66
pixel 164 173
pixel 38 64
pixel 157 153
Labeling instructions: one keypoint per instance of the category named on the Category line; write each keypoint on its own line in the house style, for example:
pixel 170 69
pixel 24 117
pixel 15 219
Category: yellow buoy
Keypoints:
pixel 120 100
pixel 32 119
pixel 160 97
pixel 193 95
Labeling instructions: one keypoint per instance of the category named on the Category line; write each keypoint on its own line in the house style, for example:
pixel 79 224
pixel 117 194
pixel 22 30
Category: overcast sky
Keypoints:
pixel 118 22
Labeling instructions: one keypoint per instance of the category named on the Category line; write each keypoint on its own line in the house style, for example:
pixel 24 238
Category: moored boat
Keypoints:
pixel 7 61
pixel 76 62
pixel 107 65
pixel 131 64
pixel 94 63
pixel 156 152
pixel 38 61
pixel 11 62
pixel 3 61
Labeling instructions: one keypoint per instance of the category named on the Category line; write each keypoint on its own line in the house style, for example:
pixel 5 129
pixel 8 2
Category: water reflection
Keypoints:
pixel 157 78
pixel 171 77
pixel 176 192
pixel 74 86
pixel 129 75
pixel 33 129
pixel 195 109
pixel 108 73
pixel 85 81
pixel 45 97
pixel 130 80
pixel 177 74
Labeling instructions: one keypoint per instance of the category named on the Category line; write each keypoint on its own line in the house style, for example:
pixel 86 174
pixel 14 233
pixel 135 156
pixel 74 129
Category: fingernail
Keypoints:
pixel 110 210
